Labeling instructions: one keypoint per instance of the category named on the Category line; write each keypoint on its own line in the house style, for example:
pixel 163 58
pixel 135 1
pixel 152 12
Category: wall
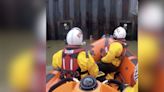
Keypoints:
pixel 94 17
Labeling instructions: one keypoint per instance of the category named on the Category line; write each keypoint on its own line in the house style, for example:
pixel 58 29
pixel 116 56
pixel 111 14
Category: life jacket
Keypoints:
pixel 125 45
pixel 107 46
pixel 69 61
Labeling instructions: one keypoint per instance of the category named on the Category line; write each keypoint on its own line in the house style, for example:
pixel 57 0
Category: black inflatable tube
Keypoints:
pixel 121 85
pixel 60 83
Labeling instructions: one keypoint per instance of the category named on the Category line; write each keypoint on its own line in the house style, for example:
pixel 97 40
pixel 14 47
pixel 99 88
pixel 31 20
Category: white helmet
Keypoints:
pixel 75 36
pixel 119 32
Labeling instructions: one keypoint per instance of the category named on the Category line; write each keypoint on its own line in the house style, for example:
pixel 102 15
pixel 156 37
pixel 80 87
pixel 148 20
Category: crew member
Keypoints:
pixel 112 59
pixel 74 60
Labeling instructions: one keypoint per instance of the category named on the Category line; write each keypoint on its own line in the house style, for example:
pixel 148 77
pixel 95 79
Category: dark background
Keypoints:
pixel 19 14
pixel 94 17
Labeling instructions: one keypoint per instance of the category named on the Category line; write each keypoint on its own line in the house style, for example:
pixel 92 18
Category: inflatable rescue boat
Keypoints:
pixel 127 75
